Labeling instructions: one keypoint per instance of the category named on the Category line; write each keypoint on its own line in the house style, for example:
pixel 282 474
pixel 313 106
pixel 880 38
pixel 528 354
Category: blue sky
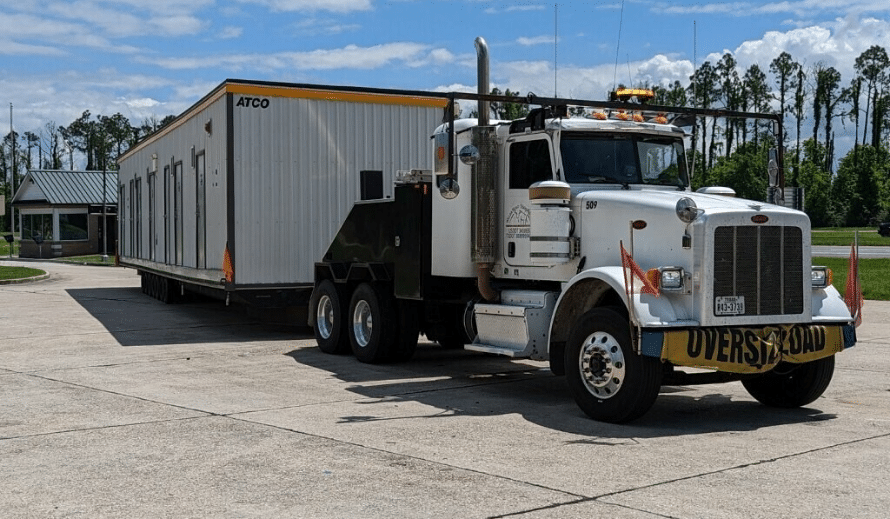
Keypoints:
pixel 146 58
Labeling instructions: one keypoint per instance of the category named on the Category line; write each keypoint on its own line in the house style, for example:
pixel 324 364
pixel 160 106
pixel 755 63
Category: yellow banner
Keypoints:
pixel 750 350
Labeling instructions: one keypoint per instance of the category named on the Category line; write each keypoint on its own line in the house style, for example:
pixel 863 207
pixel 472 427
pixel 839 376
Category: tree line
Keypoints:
pixel 96 141
pixel 853 190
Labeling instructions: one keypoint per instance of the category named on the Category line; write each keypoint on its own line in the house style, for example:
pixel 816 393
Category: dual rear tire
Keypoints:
pixel 374 326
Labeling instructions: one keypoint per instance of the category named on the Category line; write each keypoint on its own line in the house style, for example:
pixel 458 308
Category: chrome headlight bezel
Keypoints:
pixel 672 279
pixel 821 277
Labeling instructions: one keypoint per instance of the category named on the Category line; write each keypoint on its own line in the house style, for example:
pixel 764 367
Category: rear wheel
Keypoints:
pixel 330 320
pixel 373 324
pixel 792 385
pixel 610 382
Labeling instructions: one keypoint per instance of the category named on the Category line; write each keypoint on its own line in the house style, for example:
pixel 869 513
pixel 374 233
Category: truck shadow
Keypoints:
pixel 463 383
pixel 135 319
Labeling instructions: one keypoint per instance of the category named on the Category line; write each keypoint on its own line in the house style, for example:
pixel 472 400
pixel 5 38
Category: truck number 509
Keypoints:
pixel 590 204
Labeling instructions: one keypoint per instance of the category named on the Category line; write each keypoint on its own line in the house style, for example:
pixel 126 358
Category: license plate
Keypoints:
pixel 729 305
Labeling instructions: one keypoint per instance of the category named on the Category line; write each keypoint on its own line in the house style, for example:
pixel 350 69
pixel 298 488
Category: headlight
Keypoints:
pixel 670 278
pixel 822 277
pixel 686 209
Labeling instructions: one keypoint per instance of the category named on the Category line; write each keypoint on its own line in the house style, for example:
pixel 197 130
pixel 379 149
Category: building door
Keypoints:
pixel 165 239
pixel 152 228
pixel 177 212
pixel 201 211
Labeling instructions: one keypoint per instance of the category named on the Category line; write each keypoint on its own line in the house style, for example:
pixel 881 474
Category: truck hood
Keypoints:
pixel 661 201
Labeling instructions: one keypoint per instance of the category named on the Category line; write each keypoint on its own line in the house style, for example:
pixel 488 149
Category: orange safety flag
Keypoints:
pixel 632 270
pixel 853 291
pixel 227 266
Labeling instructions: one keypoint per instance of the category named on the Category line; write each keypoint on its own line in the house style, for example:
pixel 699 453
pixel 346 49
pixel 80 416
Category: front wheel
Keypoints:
pixel 792 385
pixel 610 382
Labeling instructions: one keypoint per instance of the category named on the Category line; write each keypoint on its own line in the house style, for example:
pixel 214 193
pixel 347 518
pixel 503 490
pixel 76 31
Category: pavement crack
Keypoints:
pixel 602 497
pixel 98 428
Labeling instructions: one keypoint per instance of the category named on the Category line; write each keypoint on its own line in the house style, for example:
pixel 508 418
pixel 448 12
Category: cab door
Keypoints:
pixel 529 160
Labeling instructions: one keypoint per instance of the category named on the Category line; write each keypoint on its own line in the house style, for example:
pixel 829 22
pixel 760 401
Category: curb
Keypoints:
pixel 41 277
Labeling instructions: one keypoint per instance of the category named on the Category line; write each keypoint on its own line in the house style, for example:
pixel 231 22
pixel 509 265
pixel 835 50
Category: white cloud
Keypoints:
pixel 537 40
pixel 320 26
pixel 836 44
pixel 336 6
pixel 801 8
pixel 227 33
pixel 349 57
pixel 13 48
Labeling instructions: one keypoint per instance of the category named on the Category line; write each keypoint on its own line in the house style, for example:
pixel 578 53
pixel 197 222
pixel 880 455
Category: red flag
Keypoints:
pixel 853 291
pixel 631 267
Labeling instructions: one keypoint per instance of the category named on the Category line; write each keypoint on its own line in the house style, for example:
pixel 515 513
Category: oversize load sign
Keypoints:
pixel 751 350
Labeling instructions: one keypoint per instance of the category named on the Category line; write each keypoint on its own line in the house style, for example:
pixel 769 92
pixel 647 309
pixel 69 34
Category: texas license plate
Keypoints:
pixel 729 305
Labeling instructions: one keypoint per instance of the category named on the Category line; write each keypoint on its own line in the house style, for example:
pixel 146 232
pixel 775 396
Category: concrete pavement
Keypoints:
pixel 113 404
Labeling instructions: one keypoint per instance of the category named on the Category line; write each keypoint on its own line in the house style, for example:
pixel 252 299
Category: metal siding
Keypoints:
pixel 297 165
pixel 293 169
pixel 175 146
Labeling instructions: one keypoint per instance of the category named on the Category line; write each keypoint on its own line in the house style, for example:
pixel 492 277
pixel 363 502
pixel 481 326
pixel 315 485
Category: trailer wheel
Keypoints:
pixel 610 382
pixel 792 385
pixel 164 290
pixel 330 319
pixel 373 325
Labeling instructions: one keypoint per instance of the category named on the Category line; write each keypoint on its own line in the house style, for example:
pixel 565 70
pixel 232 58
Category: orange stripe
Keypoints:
pixel 334 95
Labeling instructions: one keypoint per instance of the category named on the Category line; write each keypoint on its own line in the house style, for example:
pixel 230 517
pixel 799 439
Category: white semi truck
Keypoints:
pixel 577 240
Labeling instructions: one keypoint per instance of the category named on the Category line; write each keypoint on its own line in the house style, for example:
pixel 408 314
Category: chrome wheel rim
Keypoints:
pixel 324 317
pixel 602 365
pixel 362 323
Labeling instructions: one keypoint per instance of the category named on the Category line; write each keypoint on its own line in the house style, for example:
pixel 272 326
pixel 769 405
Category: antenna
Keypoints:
pixel 694 63
pixel 555 45
pixel 618 47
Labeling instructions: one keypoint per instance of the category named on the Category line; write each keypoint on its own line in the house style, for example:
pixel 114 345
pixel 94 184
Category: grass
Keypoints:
pixel 7 273
pixel 844 236
pixel 874 274
pixel 92 259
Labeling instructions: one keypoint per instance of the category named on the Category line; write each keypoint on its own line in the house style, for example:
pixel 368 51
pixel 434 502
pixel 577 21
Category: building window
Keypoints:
pixel 37 224
pixel 74 227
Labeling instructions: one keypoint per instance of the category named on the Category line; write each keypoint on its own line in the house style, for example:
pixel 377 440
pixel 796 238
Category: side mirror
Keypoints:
pixel 772 168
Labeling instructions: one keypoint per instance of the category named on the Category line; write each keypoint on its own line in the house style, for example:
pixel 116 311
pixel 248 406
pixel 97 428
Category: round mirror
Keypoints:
pixel 449 189
pixel 469 154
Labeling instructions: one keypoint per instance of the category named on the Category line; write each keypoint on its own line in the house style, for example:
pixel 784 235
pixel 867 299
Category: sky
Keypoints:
pixel 152 58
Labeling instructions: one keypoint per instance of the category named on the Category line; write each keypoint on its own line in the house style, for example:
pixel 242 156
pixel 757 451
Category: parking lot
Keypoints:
pixel 113 404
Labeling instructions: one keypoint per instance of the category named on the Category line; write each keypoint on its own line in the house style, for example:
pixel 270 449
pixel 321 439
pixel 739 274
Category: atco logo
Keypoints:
pixel 252 102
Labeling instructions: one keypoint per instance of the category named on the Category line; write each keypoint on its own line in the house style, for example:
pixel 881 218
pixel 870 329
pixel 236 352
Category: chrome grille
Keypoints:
pixel 763 264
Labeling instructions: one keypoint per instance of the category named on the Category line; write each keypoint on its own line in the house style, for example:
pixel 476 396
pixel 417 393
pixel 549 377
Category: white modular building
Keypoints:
pixel 242 193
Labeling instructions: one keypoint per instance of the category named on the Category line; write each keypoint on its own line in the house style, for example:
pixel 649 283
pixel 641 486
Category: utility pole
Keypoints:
pixel 104 206
pixel 12 185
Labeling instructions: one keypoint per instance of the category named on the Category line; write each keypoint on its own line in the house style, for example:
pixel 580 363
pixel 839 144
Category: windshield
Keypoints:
pixel 589 158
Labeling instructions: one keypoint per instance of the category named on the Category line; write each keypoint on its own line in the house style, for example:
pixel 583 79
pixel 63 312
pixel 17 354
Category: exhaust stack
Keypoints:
pixel 485 195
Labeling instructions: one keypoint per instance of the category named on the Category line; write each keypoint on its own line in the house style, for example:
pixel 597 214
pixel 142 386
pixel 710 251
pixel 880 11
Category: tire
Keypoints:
pixel 164 290
pixel 610 382
pixel 455 336
pixel 372 325
pixel 330 319
pixel 792 385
